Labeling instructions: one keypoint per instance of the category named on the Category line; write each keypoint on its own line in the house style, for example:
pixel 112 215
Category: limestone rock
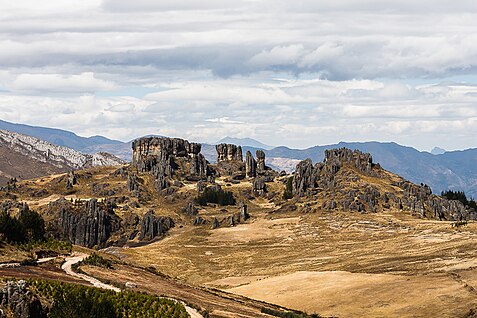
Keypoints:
pixel 90 224
pixel 228 152
pixel 250 165
pixel 132 183
pixel 215 223
pixel 190 209
pixel 260 161
pixel 153 226
pixel 259 186
pixel 165 157
pixel 16 297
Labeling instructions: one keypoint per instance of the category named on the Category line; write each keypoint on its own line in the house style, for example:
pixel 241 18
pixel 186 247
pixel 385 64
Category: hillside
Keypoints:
pixel 25 157
pixel 454 170
pixel 58 137
pixel 310 241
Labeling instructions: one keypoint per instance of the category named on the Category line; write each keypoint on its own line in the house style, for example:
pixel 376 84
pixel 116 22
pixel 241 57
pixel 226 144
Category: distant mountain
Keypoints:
pixel 58 136
pixel 455 170
pixel 244 142
pixel 25 157
pixel 437 151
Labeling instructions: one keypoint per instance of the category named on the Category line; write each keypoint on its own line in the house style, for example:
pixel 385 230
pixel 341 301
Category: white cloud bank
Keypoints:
pixel 298 73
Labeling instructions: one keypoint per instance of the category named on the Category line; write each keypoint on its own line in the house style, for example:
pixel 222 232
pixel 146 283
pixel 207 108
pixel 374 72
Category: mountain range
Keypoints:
pixel 455 170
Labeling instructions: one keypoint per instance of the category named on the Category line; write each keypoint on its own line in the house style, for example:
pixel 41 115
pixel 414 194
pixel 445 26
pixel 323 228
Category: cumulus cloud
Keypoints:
pixel 301 73
pixel 58 83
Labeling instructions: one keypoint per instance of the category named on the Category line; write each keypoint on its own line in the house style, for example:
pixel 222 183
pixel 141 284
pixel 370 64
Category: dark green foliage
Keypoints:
pixel 96 260
pixel 10 228
pixel 74 301
pixel 48 244
pixel 219 196
pixel 288 194
pixel 28 226
pixel 460 196
pixel 32 223
pixel 287 314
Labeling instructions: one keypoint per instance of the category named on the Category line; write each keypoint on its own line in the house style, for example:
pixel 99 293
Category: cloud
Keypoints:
pixel 58 83
pixel 296 72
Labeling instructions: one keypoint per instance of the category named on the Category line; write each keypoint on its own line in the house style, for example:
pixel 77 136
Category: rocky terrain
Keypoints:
pixel 455 170
pixel 239 226
pixel 27 157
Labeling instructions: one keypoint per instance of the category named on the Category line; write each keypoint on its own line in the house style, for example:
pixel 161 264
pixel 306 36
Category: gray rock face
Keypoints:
pixel 228 152
pixel 250 165
pixel 16 297
pixel 163 157
pixel 304 177
pixel 89 224
pixel 260 161
pixel 215 223
pixel 342 193
pixel 259 187
pixel 244 211
pixel 190 209
pixel 153 226
pixel 70 180
pixel 132 183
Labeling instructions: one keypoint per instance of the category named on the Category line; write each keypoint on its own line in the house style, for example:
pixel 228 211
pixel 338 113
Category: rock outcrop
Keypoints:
pixel 88 224
pixel 153 226
pixel 167 158
pixel 341 182
pixel 260 161
pixel 20 302
pixel 258 186
pixel 228 152
pixel 250 165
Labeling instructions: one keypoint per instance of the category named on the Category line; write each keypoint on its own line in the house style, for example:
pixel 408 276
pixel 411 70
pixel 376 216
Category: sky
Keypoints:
pixel 296 73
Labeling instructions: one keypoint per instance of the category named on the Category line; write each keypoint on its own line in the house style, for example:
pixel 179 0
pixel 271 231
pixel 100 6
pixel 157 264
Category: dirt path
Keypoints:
pixel 78 257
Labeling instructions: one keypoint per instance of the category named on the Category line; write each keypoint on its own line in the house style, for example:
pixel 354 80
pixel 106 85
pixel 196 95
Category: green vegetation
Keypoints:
pixel 288 194
pixel 47 244
pixel 28 226
pixel 287 314
pixel 75 301
pixel 218 196
pixel 460 196
pixel 96 260
pixel 459 223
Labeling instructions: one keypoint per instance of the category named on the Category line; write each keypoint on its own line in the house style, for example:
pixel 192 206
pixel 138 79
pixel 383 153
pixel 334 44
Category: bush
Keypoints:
pixel 96 260
pixel 75 301
pixel 28 226
pixel 287 314
pixel 219 196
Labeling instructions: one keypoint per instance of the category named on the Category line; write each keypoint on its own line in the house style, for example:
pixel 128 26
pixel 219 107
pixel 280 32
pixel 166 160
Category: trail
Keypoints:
pixel 78 257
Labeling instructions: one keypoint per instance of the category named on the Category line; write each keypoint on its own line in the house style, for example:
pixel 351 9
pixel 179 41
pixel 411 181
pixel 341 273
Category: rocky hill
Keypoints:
pixel 27 157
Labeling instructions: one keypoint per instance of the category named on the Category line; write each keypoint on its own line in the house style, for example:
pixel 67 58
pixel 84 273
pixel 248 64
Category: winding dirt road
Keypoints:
pixel 78 257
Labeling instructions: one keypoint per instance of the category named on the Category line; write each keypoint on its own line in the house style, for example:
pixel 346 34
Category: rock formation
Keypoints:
pixel 153 226
pixel 190 209
pixel 260 161
pixel 346 189
pixel 90 224
pixel 166 157
pixel 228 152
pixel 70 180
pixel 259 186
pixel 17 299
pixel 250 165
pixel 132 183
